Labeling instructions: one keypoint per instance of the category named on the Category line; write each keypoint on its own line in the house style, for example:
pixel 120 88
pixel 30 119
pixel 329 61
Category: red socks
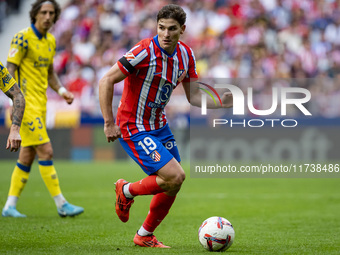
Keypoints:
pixel 160 203
pixel 159 208
pixel 146 186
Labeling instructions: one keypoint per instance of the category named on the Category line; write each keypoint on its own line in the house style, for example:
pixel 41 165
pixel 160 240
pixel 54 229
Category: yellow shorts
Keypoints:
pixel 33 129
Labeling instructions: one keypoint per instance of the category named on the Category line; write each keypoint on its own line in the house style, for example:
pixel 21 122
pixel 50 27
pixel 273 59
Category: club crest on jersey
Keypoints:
pixel 13 52
pixel 155 156
pixel 129 56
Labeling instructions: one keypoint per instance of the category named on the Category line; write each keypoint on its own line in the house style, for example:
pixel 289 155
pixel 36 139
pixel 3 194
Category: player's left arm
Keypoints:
pixel 193 91
pixel 194 96
pixel 14 139
pixel 55 84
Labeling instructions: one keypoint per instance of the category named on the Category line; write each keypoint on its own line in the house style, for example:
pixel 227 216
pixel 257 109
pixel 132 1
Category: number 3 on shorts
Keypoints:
pixel 148 145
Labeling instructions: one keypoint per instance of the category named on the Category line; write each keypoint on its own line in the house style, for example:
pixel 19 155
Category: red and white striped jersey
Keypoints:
pixel 152 74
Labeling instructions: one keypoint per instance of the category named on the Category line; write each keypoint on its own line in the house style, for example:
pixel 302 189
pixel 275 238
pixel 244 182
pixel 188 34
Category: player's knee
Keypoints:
pixel 177 180
pixel 181 178
pixel 48 154
pixel 26 162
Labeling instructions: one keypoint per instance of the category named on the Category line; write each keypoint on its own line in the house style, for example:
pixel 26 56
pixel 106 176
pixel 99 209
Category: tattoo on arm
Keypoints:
pixel 11 68
pixel 18 99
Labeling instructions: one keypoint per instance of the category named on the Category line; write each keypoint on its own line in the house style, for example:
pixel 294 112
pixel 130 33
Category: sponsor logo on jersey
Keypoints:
pixel 42 62
pixel 6 79
pixel 166 92
pixel 169 145
pixel 155 105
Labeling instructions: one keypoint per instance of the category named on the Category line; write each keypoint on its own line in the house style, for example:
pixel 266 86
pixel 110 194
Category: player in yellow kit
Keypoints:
pixel 30 59
pixel 12 90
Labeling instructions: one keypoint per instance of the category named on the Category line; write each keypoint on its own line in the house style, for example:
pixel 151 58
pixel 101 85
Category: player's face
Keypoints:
pixel 45 17
pixel 169 31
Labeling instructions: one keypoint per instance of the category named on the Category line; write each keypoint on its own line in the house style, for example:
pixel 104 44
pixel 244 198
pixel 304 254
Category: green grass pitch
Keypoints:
pixel 270 216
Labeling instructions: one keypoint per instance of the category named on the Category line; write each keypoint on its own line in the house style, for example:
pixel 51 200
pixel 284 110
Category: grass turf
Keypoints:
pixel 270 216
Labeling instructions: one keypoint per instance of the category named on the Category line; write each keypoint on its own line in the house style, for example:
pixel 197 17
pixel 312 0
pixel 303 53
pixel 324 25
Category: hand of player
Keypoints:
pixel 68 96
pixel 227 100
pixel 112 132
pixel 14 139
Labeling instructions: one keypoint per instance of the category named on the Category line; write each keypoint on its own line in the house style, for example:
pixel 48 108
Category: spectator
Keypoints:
pixel 237 39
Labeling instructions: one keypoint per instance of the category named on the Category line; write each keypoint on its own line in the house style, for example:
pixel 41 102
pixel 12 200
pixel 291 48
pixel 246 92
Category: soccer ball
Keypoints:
pixel 216 234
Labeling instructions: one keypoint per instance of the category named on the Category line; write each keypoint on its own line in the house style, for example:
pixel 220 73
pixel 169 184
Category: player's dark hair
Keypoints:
pixel 172 11
pixel 36 8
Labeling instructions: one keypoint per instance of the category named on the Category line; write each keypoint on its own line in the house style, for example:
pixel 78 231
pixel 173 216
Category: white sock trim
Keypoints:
pixel 126 191
pixel 11 201
pixel 59 200
pixel 143 232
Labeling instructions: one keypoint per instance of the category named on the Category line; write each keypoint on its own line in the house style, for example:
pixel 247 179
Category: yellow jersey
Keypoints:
pixel 33 54
pixel 6 80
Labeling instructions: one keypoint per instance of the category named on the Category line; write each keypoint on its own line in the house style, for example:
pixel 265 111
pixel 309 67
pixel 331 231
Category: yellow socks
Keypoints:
pixel 19 179
pixel 20 176
pixel 50 177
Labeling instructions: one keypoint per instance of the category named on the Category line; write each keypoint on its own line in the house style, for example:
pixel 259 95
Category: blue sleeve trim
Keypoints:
pixel 26 169
pixel 46 162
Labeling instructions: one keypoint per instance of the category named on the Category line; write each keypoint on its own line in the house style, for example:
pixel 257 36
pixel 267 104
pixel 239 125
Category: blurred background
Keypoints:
pixel 259 40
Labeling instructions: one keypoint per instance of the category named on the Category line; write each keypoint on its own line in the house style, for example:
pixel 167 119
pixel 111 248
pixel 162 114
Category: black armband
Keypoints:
pixel 127 64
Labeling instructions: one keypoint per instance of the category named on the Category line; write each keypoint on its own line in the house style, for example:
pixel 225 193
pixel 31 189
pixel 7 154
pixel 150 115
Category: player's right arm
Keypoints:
pixel 106 89
pixel 11 67
pixel 14 139
pixel 18 99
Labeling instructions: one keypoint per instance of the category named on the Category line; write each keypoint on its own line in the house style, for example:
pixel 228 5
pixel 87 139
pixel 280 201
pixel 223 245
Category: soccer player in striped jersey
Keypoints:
pixel 151 69
pixel 30 60
pixel 12 90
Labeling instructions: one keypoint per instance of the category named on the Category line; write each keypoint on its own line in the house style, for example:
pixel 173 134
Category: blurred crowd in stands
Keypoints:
pixel 8 7
pixel 231 39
